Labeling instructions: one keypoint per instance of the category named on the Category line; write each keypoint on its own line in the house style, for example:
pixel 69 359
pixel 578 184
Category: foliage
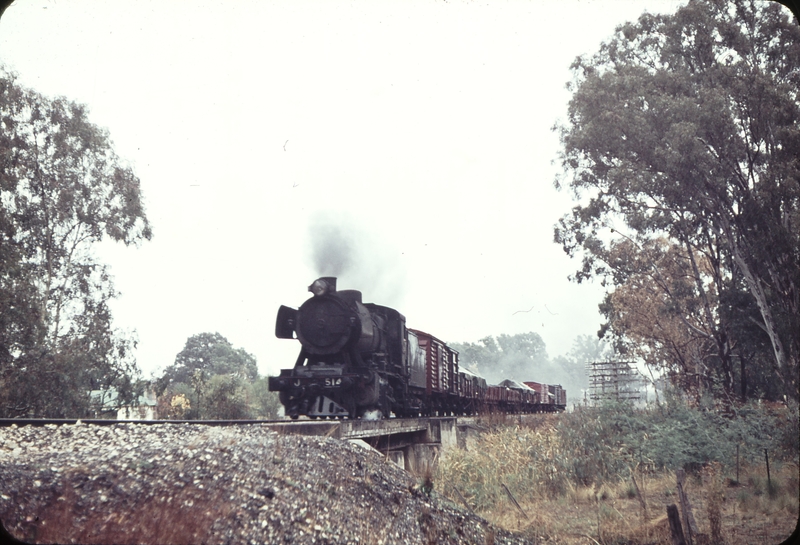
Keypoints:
pixel 559 509
pixel 211 354
pixel 62 190
pixel 609 440
pixel 523 357
pixel 173 407
pixel 589 455
pixel 515 357
pixel 684 130
pixel 263 403
pixel 212 380
pixel 221 398
pixel 226 398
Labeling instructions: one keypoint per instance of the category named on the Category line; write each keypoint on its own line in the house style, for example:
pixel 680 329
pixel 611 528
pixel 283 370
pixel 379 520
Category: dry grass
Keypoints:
pixel 526 461
pixel 582 516
pixel 529 462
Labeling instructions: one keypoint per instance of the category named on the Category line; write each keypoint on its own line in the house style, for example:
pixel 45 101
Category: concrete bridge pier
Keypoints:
pixel 419 455
pixel 418 458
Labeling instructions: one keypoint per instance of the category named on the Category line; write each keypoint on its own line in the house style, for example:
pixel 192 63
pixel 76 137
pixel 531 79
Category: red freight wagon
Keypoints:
pixel 441 365
pixel 542 390
pixel 471 386
pixel 530 398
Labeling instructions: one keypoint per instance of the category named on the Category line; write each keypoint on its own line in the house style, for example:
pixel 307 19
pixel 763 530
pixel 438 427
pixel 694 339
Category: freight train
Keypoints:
pixel 359 360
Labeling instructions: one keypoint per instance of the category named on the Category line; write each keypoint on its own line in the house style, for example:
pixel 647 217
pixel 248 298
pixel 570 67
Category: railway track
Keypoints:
pixel 6 422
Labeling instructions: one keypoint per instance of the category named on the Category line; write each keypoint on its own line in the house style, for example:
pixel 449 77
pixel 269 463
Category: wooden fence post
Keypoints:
pixel 686 509
pixel 675 529
pixel 642 500
pixel 769 481
pixel 737 464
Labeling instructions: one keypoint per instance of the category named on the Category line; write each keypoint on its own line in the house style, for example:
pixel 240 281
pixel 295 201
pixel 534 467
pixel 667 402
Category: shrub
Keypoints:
pixel 605 442
pixel 604 445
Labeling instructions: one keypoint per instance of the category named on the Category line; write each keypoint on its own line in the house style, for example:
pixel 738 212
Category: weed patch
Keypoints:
pixel 573 479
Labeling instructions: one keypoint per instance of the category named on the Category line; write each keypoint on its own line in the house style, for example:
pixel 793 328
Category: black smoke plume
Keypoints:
pixel 358 257
pixel 332 247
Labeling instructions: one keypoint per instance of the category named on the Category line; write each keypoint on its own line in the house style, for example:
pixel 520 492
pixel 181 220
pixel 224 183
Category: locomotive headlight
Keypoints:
pixel 319 287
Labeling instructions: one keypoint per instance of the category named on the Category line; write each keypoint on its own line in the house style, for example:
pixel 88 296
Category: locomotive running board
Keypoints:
pixel 325 406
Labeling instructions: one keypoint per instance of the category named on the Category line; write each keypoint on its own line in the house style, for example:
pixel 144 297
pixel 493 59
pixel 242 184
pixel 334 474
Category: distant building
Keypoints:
pixel 105 405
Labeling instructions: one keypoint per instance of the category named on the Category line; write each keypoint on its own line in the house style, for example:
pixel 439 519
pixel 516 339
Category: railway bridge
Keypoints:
pixel 408 442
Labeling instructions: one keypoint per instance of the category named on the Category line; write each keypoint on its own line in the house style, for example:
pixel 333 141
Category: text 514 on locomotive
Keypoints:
pixel 360 360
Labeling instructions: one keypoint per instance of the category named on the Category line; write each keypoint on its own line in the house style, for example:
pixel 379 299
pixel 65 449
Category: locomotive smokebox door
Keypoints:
pixel 325 324
pixel 286 322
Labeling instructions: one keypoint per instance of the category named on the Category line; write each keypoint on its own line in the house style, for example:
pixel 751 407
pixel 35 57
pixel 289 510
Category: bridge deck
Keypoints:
pixel 340 429
pixel 352 429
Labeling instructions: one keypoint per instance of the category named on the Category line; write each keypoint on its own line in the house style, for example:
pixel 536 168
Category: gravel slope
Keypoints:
pixel 176 484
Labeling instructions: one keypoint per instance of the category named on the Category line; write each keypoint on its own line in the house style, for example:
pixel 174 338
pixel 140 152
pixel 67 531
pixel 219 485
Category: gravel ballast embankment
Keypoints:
pixel 175 484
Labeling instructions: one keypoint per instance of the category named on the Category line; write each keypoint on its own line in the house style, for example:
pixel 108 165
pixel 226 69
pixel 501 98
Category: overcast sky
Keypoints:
pixel 410 140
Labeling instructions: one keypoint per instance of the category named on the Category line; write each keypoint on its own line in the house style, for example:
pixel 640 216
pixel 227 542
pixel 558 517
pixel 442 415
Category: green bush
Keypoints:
pixel 605 442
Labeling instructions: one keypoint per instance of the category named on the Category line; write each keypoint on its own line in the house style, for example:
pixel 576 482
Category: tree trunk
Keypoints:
pixel 744 376
pixel 757 291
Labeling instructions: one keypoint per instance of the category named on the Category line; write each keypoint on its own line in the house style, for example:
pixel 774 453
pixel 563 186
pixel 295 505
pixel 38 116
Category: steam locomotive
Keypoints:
pixel 359 360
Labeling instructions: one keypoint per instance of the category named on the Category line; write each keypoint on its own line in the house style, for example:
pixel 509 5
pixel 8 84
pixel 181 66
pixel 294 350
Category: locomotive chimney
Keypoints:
pixel 323 286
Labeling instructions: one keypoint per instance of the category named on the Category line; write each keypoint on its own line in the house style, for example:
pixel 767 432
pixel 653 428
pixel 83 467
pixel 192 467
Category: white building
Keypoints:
pixel 105 405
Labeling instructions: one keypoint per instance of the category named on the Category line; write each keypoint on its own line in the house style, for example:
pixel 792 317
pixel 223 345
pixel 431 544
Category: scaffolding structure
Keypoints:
pixel 613 381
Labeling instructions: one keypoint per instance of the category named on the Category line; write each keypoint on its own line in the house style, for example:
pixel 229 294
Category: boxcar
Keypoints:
pixel 441 372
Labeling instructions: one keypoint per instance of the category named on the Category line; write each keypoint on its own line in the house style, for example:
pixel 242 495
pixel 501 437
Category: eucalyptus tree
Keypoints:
pixel 682 144
pixel 63 189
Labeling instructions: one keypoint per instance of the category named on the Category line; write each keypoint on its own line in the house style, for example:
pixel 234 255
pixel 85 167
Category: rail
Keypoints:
pixel 340 429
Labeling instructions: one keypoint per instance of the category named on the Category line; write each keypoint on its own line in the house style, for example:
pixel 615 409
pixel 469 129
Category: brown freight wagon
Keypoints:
pixel 528 397
pixel 559 396
pixel 441 367
pixel 472 390
pixel 496 397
